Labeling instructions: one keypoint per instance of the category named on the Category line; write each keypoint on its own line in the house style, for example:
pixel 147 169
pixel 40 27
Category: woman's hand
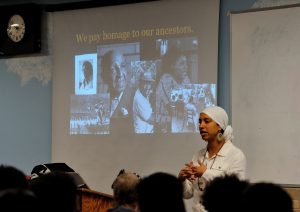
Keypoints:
pixel 187 173
pixel 199 169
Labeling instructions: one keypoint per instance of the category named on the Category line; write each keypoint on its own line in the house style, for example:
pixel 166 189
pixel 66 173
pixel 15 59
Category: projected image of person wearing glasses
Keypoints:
pixel 219 157
pixel 114 74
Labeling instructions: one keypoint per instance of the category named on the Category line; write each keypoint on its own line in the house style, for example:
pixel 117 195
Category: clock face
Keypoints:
pixel 16 28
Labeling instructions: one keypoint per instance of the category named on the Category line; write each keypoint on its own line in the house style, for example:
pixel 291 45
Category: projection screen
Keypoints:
pixel 129 82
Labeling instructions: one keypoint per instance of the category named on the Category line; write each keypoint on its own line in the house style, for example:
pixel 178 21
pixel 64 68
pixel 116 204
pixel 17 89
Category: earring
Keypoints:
pixel 220 137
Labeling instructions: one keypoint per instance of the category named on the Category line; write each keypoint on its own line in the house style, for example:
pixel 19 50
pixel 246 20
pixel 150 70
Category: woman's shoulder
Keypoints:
pixel 234 150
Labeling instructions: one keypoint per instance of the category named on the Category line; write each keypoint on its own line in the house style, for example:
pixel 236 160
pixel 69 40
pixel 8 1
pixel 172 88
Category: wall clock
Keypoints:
pixel 16 28
pixel 20 29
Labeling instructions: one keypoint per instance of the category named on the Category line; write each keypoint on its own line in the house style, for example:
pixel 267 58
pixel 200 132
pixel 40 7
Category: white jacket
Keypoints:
pixel 229 160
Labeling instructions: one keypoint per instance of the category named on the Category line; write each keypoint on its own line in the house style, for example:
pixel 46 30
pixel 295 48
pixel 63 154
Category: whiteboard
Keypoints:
pixel 265 86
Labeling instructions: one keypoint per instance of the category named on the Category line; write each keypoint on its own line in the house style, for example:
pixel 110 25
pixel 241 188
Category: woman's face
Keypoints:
pixel 181 67
pixel 208 128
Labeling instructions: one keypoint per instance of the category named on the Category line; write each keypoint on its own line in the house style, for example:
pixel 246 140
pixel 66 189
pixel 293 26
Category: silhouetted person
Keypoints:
pixel 224 193
pixel 16 200
pixel 56 191
pixel 14 193
pixel 160 192
pixel 12 178
pixel 261 197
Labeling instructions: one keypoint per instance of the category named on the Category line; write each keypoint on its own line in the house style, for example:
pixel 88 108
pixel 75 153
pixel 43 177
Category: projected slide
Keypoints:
pixel 143 87
pixel 129 82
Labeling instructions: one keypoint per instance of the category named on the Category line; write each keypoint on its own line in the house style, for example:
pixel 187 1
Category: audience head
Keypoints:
pixel 124 188
pixel 261 197
pixel 160 192
pixel 56 191
pixel 224 193
pixel 12 178
pixel 16 200
pixel 113 71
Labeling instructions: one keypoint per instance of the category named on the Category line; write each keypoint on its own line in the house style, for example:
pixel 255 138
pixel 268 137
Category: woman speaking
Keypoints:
pixel 219 157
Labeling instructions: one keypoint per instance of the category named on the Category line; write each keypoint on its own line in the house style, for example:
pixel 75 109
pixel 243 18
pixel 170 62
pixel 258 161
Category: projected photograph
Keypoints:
pixel 179 66
pixel 144 78
pixel 118 90
pixel 90 114
pixel 187 103
pixel 85 74
pixel 116 79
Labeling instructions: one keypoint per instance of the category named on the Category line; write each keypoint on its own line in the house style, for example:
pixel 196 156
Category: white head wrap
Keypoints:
pixel 219 115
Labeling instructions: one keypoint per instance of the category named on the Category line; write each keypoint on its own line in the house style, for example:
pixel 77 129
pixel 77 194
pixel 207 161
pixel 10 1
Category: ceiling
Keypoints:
pixel 9 2
pixel 55 5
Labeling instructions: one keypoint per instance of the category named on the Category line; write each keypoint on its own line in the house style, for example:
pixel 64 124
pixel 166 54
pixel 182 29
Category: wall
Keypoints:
pixel 25 117
pixel 25 107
